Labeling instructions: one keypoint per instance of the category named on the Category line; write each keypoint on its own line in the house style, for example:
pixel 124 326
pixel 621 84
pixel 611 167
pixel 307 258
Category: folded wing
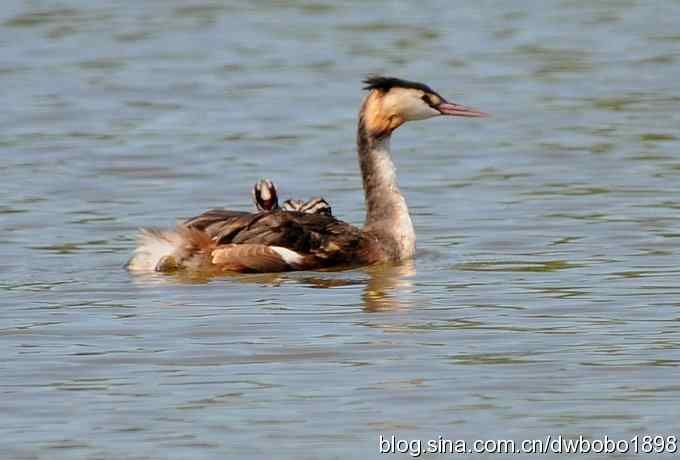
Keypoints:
pixel 278 240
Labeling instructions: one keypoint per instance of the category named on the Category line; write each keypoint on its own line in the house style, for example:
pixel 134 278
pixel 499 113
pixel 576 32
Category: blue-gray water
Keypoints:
pixel 544 298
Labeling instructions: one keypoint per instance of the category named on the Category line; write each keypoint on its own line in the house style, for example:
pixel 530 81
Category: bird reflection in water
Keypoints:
pixel 386 288
pixel 389 286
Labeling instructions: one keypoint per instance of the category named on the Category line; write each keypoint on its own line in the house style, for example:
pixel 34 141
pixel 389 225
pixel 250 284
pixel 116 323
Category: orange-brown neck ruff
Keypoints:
pixel 376 117
pixel 387 215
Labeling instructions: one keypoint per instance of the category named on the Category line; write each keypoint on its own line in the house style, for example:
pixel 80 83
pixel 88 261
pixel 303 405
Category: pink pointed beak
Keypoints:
pixel 457 110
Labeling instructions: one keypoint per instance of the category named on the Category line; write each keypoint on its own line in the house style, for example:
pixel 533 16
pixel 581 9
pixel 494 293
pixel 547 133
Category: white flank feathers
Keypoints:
pixel 292 258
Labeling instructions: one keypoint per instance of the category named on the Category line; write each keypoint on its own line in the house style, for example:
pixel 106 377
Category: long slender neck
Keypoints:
pixel 387 215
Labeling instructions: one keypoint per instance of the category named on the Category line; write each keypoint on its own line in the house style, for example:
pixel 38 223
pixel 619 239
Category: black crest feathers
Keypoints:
pixel 386 83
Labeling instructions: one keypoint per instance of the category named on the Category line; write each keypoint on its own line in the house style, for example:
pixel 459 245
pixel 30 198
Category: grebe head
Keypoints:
pixel 265 196
pixel 393 101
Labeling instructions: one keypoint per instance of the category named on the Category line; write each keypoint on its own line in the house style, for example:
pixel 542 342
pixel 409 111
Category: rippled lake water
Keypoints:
pixel 544 299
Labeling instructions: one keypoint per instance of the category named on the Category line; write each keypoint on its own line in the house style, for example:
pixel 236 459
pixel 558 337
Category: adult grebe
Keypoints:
pixel 277 240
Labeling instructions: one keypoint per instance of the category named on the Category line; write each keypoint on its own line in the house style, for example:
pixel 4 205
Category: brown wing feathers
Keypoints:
pixel 245 258
pixel 263 242
pixel 242 241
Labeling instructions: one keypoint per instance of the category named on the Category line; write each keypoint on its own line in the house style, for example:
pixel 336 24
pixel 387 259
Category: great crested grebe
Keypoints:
pixel 277 240
pixel 266 198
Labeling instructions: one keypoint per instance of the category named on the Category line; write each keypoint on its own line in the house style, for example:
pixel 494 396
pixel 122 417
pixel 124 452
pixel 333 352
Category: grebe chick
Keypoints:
pixel 314 206
pixel 266 198
pixel 265 195
pixel 221 240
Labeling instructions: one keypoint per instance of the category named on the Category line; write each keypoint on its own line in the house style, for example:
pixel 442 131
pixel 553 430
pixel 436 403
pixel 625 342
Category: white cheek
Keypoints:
pixel 418 110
